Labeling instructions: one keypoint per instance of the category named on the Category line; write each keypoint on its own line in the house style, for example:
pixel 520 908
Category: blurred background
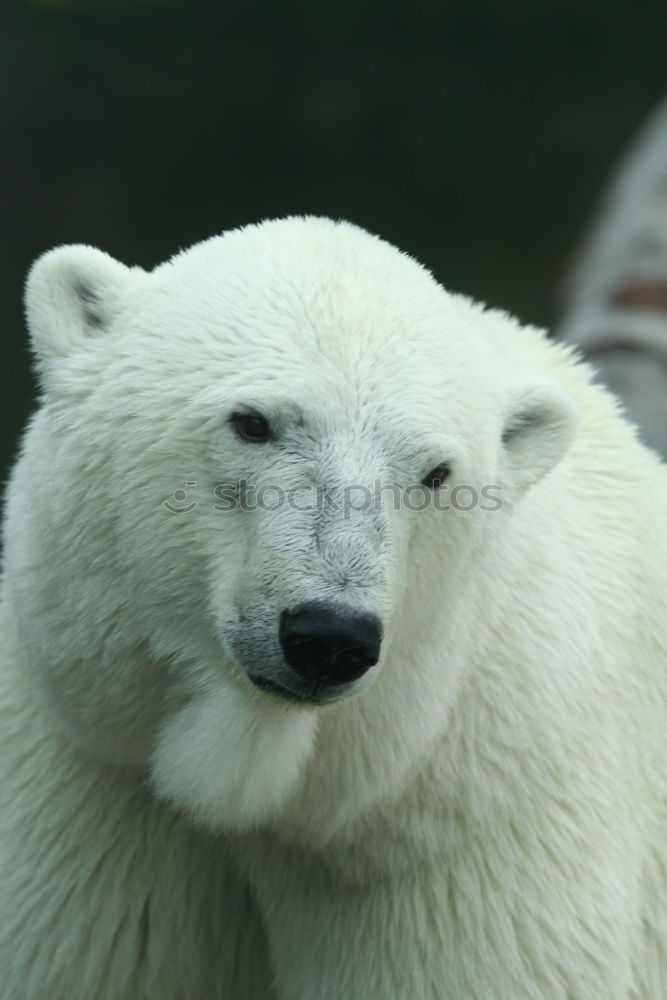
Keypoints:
pixel 478 137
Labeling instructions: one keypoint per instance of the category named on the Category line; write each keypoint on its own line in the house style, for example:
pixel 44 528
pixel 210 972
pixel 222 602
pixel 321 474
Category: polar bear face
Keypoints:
pixel 269 431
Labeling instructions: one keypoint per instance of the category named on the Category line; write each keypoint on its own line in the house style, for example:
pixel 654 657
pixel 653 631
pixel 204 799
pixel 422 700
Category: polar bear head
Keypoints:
pixel 266 461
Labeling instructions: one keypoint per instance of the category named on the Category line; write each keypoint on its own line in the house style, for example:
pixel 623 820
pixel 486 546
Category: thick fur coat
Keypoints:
pixel 482 814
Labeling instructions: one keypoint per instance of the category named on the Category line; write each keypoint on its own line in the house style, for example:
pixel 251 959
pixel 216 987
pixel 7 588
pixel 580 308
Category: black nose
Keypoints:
pixel 329 644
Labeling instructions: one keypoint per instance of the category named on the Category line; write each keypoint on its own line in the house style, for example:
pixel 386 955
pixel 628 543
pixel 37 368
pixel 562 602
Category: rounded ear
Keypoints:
pixel 71 294
pixel 540 425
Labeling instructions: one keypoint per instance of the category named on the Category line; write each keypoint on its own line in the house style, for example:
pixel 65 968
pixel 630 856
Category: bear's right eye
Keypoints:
pixel 251 427
pixel 436 477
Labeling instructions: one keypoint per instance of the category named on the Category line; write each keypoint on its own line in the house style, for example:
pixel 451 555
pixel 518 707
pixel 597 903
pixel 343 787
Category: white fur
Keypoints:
pixel 483 817
pixel 206 768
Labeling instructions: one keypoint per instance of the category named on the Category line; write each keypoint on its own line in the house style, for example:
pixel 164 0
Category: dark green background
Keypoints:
pixel 476 136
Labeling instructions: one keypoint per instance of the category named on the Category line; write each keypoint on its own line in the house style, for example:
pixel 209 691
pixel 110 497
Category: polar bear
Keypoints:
pixel 334 642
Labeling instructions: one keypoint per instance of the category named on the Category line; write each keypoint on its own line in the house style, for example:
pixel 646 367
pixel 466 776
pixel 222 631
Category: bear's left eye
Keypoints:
pixel 251 427
pixel 436 477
